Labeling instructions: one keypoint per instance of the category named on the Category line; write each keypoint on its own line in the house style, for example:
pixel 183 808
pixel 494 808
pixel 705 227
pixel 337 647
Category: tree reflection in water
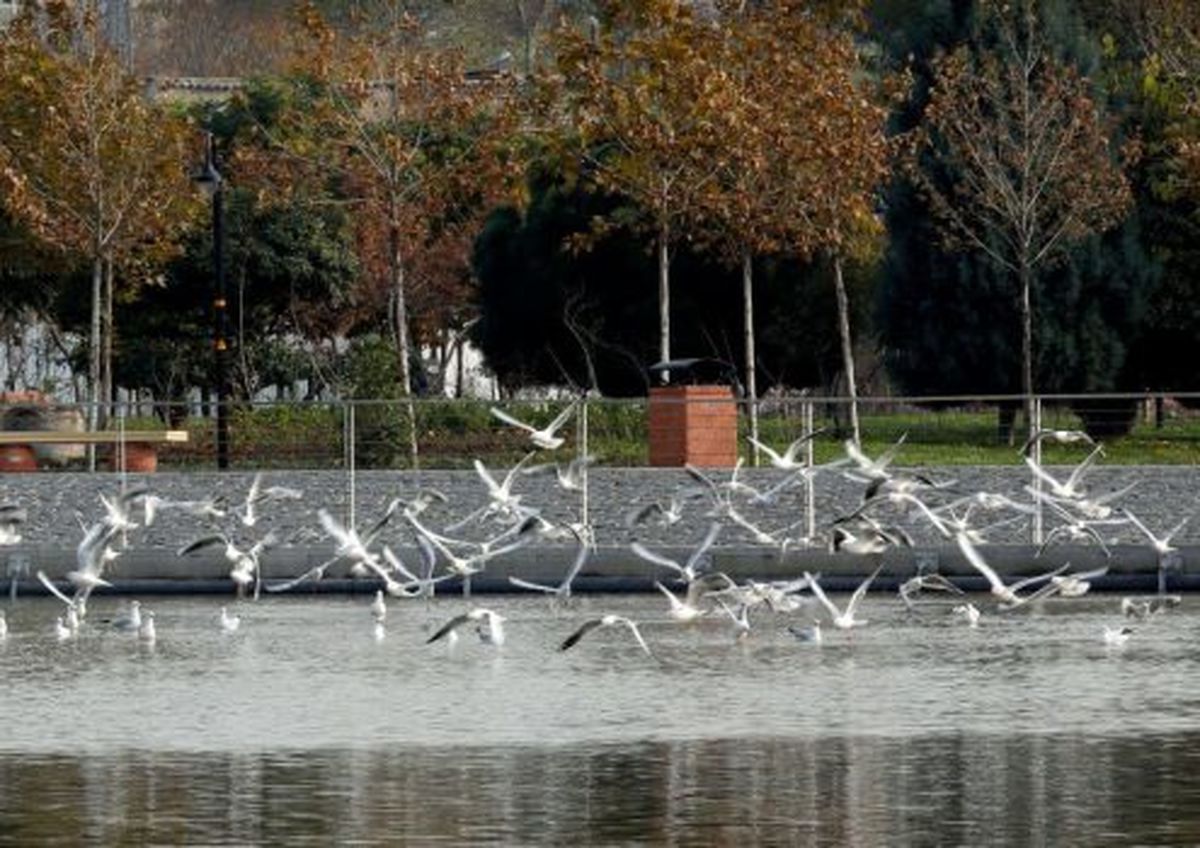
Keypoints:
pixel 863 790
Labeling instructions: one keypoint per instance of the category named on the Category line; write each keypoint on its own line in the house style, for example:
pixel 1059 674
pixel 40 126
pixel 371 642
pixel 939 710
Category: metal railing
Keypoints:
pixel 450 434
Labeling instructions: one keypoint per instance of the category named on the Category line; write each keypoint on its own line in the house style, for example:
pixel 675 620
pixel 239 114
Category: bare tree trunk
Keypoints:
pixel 94 354
pixel 1027 347
pixel 460 370
pixel 751 371
pixel 248 385
pixel 401 318
pixel 843 306
pixel 106 335
pixel 527 33
pixel 664 296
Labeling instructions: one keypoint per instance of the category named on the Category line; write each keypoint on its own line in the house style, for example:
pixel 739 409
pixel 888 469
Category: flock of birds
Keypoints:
pixel 505 523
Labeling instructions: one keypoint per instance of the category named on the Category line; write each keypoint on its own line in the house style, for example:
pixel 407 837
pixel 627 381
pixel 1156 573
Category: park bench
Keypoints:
pixel 140 447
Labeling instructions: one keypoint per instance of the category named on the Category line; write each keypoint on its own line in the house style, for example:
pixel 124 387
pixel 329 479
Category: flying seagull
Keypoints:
pixel 543 438
pixel 605 621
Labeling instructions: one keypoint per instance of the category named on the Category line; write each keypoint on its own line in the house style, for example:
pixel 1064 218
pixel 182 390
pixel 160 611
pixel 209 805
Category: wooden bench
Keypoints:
pixel 140 446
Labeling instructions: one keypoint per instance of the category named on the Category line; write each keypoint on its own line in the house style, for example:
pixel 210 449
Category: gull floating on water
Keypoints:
pixel 229 623
pixel 130 621
pixel 967 612
pixel 3 626
pixel 811 635
pixel 1116 637
pixel 378 607
pixel 147 632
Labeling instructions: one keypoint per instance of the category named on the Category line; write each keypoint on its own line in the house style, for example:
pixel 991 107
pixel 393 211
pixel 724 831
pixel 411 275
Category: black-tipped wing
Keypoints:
pixel 452 624
pixel 315 573
pixel 583 630
pixel 643 514
pixel 201 543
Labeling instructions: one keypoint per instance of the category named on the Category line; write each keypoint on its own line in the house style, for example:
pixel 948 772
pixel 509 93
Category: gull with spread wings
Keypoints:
pixel 543 438
pixel 561 592
pixel 786 461
pixel 1007 594
pixel 690 570
pixel 843 620
pixel 489 625
pixel 605 621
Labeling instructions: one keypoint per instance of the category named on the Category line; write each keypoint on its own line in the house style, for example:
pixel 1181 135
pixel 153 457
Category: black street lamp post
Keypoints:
pixel 209 179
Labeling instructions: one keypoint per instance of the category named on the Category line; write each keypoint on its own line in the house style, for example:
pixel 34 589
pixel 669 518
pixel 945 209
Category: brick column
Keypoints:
pixel 694 425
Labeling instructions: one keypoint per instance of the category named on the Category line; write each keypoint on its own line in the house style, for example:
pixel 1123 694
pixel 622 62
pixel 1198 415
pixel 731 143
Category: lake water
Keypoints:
pixel 301 728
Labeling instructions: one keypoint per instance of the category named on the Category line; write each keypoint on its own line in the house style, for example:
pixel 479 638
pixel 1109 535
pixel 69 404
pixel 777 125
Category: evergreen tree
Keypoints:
pixel 542 305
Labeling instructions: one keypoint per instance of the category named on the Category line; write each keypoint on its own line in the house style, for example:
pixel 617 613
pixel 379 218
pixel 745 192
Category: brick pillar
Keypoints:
pixel 694 425
pixel 139 457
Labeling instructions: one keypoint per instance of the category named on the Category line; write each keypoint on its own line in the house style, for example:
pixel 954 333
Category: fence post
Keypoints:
pixel 91 425
pixel 122 464
pixel 584 516
pixel 752 405
pixel 1038 525
pixel 810 510
pixel 350 459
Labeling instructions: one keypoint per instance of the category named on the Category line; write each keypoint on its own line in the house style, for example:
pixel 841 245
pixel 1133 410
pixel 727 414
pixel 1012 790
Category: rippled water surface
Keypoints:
pixel 302 727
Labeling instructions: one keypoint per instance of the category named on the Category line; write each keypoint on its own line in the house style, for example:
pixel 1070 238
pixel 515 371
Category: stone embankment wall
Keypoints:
pixel 59 504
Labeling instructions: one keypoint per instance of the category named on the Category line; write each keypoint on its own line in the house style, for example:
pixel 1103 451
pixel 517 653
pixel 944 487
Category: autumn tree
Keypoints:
pixel 1014 158
pixel 643 109
pixel 417 148
pixel 88 163
pixel 804 160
